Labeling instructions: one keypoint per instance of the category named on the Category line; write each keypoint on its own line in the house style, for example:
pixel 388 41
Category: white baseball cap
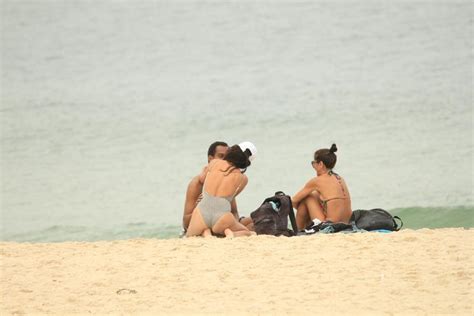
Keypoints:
pixel 251 147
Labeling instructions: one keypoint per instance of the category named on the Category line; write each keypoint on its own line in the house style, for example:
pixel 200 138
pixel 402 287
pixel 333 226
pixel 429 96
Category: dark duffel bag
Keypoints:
pixel 271 218
pixel 374 219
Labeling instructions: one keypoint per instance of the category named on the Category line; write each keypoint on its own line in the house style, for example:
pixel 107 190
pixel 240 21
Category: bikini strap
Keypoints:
pixel 208 171
pixel 330 173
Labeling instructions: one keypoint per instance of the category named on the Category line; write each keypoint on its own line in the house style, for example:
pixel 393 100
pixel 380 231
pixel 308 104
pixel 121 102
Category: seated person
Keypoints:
pixel 216 150
pixel 194 190
pixel 324 197
pixel 222 182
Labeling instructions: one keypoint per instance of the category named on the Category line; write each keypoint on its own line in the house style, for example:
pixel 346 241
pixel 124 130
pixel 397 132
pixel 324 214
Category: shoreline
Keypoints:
pixel 408 272
pixel 413 218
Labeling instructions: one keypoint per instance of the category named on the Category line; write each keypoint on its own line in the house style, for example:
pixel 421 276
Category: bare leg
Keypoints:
pixel 247 222
pixel 197 226
pixel 228 222
pixel 315 210
pixel 250 227
pixel 244 233
pixel 193 195
pixel 302 215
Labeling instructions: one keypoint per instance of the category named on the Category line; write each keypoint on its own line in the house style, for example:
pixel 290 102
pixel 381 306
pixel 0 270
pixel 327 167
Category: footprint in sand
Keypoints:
pixel 126 291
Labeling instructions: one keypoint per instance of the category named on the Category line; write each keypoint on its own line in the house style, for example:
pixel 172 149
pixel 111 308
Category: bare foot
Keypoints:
pixel 228 233
pixel 207 233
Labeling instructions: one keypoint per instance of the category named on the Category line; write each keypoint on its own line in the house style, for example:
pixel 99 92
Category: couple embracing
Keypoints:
pixel 323 198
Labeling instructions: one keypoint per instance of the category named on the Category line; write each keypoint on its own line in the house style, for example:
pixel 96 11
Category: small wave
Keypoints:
pixel 137 224
pixel 61 233
pixel 62 229
pixel 436 217
pixel 413 217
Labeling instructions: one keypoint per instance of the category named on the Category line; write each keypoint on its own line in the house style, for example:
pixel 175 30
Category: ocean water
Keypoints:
pixel 108 108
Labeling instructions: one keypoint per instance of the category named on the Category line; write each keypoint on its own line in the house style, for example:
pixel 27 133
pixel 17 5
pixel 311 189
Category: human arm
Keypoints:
pixel 309 187
pixel 233 203
pixel 243 183
pixel 233 209
pixel 202 176
pixel 193 194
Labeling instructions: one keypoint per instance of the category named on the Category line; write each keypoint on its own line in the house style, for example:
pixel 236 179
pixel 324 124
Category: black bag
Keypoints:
pixel 375 219
pixel 271 218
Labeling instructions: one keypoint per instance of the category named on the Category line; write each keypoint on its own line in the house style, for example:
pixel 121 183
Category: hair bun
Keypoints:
pixel 333 148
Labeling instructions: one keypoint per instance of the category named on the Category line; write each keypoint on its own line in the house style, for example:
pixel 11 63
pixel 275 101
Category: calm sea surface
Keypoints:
pixel 108 107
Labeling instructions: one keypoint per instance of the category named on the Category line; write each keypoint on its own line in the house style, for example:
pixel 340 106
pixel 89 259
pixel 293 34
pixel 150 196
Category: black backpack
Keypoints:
pixel 375 219
pixel 271 218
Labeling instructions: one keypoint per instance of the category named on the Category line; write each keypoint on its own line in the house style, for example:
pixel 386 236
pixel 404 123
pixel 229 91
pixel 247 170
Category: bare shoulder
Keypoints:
pixel 212 163
pixel 245 179
pixel 313 182
pixel 203 174
pixel 194 180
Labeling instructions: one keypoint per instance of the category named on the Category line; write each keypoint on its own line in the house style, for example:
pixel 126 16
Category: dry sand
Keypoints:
pixel 409 272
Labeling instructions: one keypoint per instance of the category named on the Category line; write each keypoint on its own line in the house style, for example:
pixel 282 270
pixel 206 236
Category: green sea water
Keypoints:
pixel 436 217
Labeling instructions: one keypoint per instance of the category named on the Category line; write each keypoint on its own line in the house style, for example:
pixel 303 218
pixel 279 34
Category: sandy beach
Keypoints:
pixel 409 272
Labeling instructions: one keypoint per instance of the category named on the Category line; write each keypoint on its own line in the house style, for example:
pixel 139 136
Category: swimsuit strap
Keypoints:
pixel 336 198
pixel 205 180
pixel 238 187
pixel 338 177
pixel 230 196
pixel 208 171
pixel 330 173
pixel 325 202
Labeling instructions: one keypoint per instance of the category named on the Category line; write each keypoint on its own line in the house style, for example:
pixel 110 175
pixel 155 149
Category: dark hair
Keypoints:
pixel 237 158
pixel 327 156
pixel 212 149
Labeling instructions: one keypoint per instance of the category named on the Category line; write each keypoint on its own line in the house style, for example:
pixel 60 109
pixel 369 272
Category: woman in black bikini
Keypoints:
pixel 325 197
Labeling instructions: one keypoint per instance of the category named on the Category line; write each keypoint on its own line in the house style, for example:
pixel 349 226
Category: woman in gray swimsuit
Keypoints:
pixel 325 197
pixel 222 181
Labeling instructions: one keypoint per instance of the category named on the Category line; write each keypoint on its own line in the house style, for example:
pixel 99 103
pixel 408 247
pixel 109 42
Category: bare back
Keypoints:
pixel 220 182
pixel 335 197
